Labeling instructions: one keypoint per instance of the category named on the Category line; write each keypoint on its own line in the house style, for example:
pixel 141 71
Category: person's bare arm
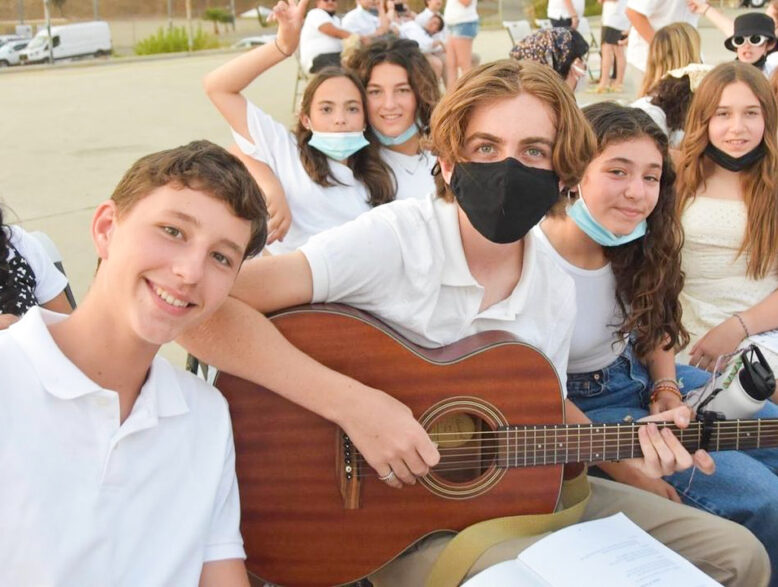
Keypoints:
pixel 240 340
pixel 641 24
pixel 721 21
pixel 725 337
pixel 279 215
pixel 59 303
pixel 330 29
pixel 576 18
pixel 224 84
pixel 224 573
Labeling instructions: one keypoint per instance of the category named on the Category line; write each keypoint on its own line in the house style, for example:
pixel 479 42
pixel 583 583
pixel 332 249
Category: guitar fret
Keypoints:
pixel 535 445
pixel 632 440
pixel 578 442
pixel 737 438
pixel 718 434
pixel 555 446
pixel 758 432
pixel 618 440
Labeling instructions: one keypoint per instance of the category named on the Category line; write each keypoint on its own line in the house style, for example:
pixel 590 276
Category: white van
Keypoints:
pixel 69 40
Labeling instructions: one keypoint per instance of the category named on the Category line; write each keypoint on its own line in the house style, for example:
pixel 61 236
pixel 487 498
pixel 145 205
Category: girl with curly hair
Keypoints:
pixel 621 242
pixel 27 276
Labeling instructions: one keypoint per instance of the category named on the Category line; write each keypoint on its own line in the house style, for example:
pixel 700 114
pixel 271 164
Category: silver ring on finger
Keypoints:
pixel 388 477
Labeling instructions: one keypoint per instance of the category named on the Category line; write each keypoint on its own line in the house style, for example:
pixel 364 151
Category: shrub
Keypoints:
pixel 174 40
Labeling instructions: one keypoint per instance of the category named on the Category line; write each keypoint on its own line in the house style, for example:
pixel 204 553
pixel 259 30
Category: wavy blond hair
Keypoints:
pixel 760 189
pixel 673 46
pixel 574 144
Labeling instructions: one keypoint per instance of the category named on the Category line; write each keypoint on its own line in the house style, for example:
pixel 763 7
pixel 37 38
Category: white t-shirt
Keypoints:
pixel 413 173
pixel 404 263
pixel 557 9
pixel 659 13
pixel 592 346
pixel 313 42
pixel 457 13
pixel 87 501
pixel 614 15
pixel 413 31
pixel 49 281
pixel 314 208
pixel 423 18
pixel 360 21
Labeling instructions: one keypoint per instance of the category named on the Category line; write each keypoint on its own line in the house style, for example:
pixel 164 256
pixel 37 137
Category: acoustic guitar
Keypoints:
pixel 314 513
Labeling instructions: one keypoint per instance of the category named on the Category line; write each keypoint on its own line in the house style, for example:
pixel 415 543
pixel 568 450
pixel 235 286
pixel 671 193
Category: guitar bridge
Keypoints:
pixel 347 470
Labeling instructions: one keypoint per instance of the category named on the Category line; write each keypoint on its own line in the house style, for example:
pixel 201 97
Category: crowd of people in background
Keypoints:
pixel 633 244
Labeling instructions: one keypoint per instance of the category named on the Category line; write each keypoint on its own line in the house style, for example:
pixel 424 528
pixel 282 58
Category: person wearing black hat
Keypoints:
pixel 753 39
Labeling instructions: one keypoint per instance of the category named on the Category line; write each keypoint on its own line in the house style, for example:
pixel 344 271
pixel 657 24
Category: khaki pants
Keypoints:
pixel 722 549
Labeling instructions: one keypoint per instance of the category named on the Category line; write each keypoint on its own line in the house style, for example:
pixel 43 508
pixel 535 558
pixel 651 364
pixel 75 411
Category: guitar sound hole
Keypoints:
pixel 466 444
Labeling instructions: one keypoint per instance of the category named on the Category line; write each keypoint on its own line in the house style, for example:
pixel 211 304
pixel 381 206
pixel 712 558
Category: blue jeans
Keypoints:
pixel 467 30
pixel 744 487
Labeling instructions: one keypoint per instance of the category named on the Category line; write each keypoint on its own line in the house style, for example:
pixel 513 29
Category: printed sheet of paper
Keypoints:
pixel 610 551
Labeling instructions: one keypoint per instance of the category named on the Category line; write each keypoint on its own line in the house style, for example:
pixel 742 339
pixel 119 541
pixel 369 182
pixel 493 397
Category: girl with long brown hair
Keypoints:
pixel 621 242
pixel 728 201
pixel 329 170
pixel 728 205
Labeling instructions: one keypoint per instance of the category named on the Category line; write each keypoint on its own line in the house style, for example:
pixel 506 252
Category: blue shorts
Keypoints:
pixel 467 30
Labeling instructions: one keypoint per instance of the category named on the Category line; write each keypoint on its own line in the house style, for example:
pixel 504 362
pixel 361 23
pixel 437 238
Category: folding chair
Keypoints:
pixel 593 60
pixel 56 258
pixel 543 23
pixel 517 29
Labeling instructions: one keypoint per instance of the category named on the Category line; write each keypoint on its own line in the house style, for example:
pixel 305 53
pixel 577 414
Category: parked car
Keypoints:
pixel 9 52
pixel 82 39
pixel 256 41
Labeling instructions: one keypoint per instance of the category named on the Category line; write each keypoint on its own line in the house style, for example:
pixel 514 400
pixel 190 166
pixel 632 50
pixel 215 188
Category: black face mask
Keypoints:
pixel 330 12
pixel 735 163
pixel 504 200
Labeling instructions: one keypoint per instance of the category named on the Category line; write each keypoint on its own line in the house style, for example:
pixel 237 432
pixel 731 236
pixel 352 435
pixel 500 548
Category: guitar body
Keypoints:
pixel 312 515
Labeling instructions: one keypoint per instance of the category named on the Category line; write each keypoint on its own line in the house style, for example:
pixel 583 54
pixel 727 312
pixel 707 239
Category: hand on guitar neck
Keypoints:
pixel 663 455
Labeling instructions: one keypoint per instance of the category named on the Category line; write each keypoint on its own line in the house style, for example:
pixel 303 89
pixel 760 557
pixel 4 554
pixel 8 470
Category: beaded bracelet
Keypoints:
pixel 665 387
pixel 670 380
pixel 742 323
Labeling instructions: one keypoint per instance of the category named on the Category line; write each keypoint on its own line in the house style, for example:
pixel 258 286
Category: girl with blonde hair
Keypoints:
pixel 673 46
pixel 728 200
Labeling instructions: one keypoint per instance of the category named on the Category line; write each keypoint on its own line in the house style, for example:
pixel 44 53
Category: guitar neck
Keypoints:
pixel 529 446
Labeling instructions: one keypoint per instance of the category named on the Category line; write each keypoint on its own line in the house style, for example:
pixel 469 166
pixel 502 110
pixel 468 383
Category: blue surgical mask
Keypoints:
pixel 596 231
pixel 338 145
pixel 373 11
pixel 399 139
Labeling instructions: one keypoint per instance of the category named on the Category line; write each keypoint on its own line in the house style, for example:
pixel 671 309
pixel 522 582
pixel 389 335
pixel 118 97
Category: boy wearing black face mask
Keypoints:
pixel 455 264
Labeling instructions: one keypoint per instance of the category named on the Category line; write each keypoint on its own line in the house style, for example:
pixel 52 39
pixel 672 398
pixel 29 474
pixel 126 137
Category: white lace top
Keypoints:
pixel 716 282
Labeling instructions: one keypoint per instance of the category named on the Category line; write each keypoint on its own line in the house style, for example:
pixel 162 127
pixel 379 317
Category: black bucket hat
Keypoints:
pixel 752 23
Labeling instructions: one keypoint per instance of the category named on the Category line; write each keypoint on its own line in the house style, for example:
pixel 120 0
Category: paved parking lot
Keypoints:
pixel 68 133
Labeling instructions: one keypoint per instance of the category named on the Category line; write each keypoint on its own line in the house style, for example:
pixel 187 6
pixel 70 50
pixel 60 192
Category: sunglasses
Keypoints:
pixel 754 40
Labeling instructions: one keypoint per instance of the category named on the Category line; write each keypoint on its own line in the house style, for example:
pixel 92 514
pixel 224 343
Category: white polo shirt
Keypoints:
pixel 313 42
pixel 360 22
pixel 659 13
pixel 314 207
pixel 413 31
pixel 86 501
pixel 412 173
pixel 423 18
pixel 404 263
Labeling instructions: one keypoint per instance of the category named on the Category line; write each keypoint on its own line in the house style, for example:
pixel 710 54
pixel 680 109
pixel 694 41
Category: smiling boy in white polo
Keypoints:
pixel 118 469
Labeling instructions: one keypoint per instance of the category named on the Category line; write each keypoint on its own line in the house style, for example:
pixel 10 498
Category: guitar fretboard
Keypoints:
pixel 530 446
